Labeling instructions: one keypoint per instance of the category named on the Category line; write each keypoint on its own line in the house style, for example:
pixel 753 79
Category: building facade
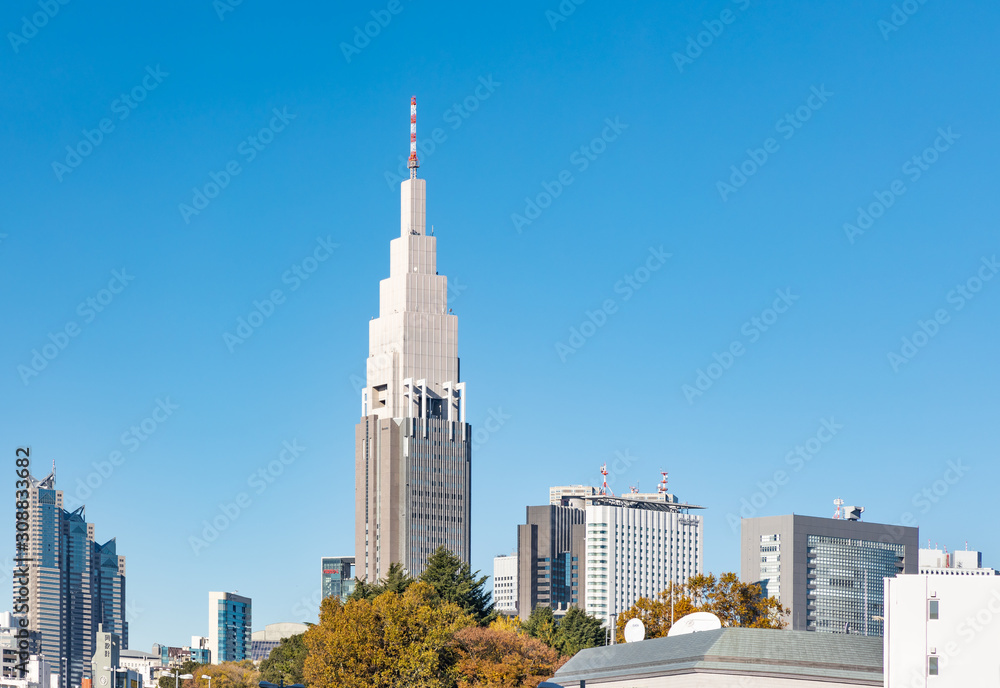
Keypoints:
pixel 549 554
pixel 337 579
pixel 505 583
pixel 229 619
pixel 828 572
pixel 262 642
pixel 75 584
pixel 958 563
pixel 413 446
pixel 942 631
pixel 636 546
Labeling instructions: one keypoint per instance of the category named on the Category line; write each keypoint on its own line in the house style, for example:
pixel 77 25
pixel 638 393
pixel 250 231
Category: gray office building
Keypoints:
pixel 828 572
pixel 550 549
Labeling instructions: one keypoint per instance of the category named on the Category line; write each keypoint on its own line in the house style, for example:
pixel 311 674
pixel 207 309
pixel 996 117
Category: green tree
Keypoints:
pixel 391 641
pixel 576 631
pixel 286 661
pixel 453 581
pixel 541 624
pixel 397 580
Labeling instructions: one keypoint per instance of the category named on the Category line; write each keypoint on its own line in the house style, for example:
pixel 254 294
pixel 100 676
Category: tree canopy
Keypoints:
pixel 734 602
pixel 574 632
pixel 286 661
pixel 453 581
pixel 498 657
pixel 393 640
pixel 397 580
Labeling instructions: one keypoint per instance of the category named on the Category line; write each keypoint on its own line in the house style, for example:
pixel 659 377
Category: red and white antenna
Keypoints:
pixel 604 487
pixel 662 487
pixel 413 163
pixel 839 503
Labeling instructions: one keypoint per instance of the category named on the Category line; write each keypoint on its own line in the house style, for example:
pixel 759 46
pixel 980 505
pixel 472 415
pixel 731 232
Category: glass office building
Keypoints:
pixel 338 577
pixel 229 618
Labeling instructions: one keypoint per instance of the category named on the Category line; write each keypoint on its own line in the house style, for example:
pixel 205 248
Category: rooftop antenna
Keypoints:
pixel 662 488
pixel 604 487
pixel 839 503
pixel 413 163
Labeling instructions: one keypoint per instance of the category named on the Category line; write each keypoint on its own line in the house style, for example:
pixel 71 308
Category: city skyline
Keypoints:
pixel 612 219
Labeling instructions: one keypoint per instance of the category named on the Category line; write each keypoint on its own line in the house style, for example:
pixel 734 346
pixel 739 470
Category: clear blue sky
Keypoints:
pixel 864 100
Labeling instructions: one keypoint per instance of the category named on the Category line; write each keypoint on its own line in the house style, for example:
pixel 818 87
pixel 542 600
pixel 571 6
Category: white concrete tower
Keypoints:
pixel 413 445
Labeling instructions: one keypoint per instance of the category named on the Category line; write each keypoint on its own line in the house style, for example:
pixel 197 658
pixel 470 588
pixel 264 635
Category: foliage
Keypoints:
pixel 393 640
pixel 286 661
pixel 453 581
pixel 397 580
pixel 226 675
pixel 734 602
pixel 494 657
pixel 574 632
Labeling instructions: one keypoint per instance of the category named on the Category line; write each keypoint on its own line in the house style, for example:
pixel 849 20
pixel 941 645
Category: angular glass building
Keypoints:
pixel 338 577
pixel 229 619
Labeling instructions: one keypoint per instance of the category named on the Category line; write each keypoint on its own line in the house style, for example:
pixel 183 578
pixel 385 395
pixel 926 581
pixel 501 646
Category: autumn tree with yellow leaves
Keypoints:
pixel 734 602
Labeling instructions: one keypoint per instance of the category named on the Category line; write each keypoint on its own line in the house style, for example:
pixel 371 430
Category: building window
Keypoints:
pixel 932 666
pixel 932 610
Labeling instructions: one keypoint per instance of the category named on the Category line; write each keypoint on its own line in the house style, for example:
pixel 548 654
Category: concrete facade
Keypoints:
pixel 413 446
pixel 505 583
pixel 942 631
pixel 827 572
pixel 549 546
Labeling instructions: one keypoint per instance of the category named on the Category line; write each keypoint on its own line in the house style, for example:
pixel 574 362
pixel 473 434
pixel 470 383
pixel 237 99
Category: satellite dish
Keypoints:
pixel 693 623
pixel 634 631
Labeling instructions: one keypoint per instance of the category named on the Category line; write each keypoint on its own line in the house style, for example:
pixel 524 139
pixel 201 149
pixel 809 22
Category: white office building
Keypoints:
pixel 505 583
pixel 941 631
pixel 636 545
pixel 959 563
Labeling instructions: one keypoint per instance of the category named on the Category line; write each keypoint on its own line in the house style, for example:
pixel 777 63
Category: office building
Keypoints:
pixel 229 619
pixel 413 445
pixel 338 577
pixel 75 584
pixel 10 657
pixel 827 572
pixel 636 546
pixel 942 631
pixel 561 494
pixel 505 583
pixel 106 670
pixel 958 563
pixel 549 553
pixel 146 664
pixel 729 658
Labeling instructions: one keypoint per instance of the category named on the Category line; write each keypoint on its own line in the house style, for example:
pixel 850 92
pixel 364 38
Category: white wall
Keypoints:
pixel 965 637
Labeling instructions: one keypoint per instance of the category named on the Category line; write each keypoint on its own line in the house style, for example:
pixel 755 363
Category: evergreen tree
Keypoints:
pixel 541 625
pixel 286 661
pixel 397 580
pixel 454 581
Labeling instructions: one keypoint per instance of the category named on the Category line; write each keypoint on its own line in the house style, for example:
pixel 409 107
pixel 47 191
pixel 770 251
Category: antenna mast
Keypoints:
pixel 413 163
pixel 839 503
pixel 604 487
pixel 662 488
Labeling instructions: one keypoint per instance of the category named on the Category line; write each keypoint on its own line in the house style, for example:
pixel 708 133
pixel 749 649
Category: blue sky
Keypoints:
pixel 535 88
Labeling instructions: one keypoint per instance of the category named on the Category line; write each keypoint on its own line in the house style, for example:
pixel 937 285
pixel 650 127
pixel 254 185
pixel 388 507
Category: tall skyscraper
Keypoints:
pixel 75 585
pixel 229 619
pixel 828 572
pixel 413 447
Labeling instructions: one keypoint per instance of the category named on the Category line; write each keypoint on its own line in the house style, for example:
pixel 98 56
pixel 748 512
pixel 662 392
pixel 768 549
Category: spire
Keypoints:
pixel 413 163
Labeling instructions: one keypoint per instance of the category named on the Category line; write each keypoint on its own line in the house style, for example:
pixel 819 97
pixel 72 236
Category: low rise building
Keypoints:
pixel 262 642
pixel 959 563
